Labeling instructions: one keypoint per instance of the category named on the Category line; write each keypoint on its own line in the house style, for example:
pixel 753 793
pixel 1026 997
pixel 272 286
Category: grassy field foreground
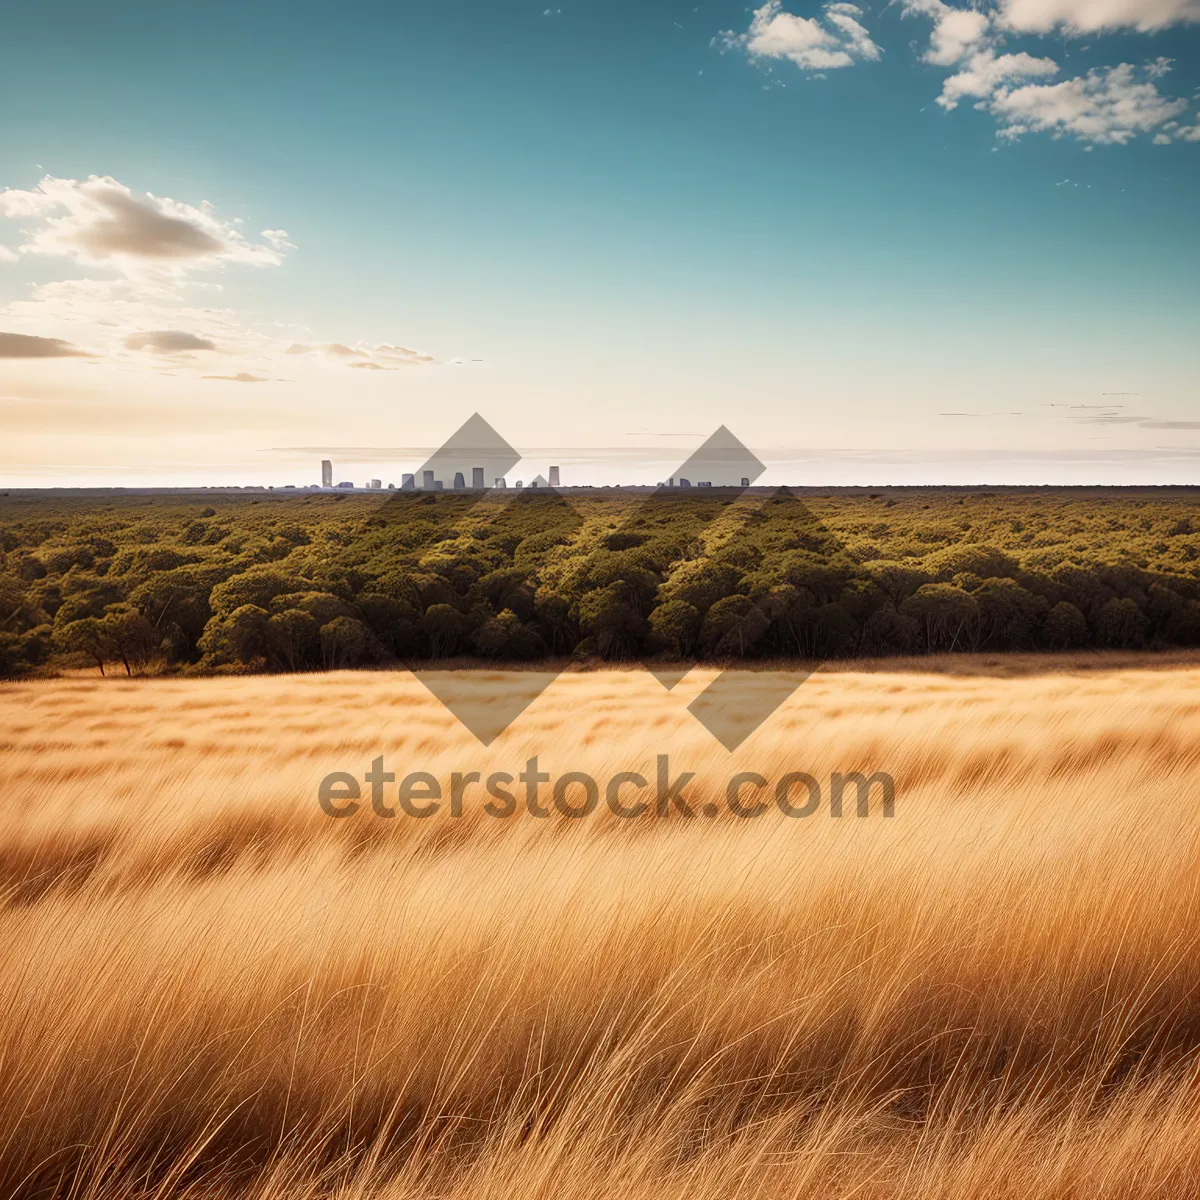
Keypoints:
pixel 209 988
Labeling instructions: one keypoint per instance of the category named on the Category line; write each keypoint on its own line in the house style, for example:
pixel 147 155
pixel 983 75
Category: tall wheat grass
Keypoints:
pixel 209 988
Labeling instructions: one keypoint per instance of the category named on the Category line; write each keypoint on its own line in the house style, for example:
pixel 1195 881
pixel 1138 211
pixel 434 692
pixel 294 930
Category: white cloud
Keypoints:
pixel 805 41
pixel 957 32
pixel 844 18
pixel 100 221
pixel 1091 16
pixel 1108 105
pixel 1173 131
pixel 986 72
pixel 7 255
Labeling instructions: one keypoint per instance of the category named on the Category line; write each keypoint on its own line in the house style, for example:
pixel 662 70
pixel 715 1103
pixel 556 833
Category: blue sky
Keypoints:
pixel 605 226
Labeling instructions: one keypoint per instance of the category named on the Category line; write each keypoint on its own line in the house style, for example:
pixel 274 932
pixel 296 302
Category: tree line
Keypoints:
pixel 314 581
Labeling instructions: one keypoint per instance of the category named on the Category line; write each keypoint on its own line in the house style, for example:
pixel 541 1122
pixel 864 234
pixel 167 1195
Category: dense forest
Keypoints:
pixel 278 581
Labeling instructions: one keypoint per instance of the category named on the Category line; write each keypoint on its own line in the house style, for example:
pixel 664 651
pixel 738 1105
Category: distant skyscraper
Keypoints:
pixel 473 448
pixel 745 481
pixel 326 473
pixel 554 477
pixel 500 482
pixel 459 481
pixel 374 484
pixel 406 482
pixel 427 481
pixel 685 482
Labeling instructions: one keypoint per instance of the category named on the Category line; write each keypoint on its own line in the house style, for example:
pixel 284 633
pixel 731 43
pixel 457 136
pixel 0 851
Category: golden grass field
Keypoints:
pixel 209 988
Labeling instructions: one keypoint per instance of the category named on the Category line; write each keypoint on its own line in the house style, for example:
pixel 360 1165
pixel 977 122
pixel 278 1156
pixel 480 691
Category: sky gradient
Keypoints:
pixel 906 242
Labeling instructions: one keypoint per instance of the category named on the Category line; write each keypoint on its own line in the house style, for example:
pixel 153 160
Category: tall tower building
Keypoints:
pixel 477 478
pixel 326 473
pixel 427 481
pixel 554 477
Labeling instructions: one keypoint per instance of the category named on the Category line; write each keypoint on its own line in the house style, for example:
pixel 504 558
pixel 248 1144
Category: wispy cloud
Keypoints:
pixel 383 357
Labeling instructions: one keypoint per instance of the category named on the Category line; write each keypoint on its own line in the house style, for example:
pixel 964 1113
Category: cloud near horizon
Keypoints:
pixel 23 345
pixel 168 341
pixel 384 357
